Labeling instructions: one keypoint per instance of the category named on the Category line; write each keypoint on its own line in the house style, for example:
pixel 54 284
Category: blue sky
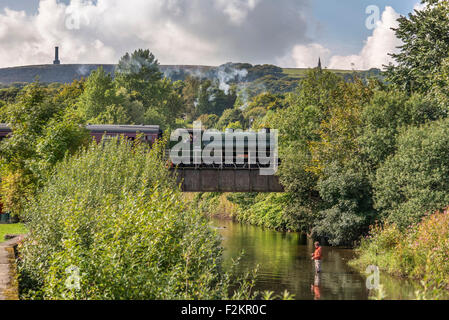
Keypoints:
pixel 27 5
pixel 202 31
pixel 343 21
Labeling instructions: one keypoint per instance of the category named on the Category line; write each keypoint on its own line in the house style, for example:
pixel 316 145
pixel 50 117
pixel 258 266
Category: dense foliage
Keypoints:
pixel 414 181
pixel 44 132
pixel 425 37
pixel 113 215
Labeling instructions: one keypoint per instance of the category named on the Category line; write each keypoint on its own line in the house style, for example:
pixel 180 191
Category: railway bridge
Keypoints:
pixel 226 180
pixel 191 179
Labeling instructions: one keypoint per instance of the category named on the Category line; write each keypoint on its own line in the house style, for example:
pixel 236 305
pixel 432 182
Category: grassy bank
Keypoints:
pixel 17 228
pixel 259 209
pixel 419 252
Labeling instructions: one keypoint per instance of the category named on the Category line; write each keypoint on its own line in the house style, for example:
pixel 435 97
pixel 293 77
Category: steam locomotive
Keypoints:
pixel 238 150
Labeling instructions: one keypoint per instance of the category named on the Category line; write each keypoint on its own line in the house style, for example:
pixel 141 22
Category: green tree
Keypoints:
pixel 137 71
pixel 385 116
pixel 8 95
pixel 209 121
pixel 425 37
pixel 414 181
pixel 340 127
pixel 347 198
pixel 141 78
pixel 440 89
pixel 298 125
pixel 99 92
pixel 267 101
pixel 319 152
pixel 103 103
pixel 190 96
pixel 213 100
pixel 168 104
pixel 69 94
pixel 44 131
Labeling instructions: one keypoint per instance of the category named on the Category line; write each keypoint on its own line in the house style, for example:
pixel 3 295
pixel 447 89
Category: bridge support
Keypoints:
pixel 212 180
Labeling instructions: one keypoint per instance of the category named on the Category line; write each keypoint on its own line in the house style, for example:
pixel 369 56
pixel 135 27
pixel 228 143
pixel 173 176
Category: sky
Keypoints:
pixel 346 34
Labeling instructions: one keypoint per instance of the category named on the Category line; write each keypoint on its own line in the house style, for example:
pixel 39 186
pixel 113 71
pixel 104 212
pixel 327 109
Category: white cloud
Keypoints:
pixel 377 47
pixel 176 31
pixel 237 10
pixel 305 56
pixel 373 55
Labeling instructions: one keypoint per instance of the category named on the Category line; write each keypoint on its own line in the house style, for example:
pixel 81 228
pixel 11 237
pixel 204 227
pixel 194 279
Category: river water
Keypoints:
pixel 284 261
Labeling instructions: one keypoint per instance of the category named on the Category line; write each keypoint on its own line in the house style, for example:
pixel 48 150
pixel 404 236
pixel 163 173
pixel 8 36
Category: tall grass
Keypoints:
pixel 420 252
pixel 111 224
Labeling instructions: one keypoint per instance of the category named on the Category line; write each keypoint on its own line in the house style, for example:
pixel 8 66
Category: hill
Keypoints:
pixel 230 72
pixel 66 73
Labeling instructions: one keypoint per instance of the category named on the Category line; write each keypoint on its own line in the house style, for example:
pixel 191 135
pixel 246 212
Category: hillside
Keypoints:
pixel 66 73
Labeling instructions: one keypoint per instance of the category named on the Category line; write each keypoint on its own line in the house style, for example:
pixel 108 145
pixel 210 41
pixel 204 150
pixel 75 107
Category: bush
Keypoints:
pixel 230 116
pixel 44 131
pixel 415 180
pixel 113 215
pixel 348 213
pixel 383 118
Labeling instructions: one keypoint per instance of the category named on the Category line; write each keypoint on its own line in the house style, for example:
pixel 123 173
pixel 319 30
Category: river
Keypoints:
pixel 285 264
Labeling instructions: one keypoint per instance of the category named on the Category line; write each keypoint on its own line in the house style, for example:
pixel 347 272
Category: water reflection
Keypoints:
pixel 285 264
pixel 316 287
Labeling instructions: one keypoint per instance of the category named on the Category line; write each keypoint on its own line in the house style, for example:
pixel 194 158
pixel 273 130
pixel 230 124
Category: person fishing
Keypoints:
pixel 317 256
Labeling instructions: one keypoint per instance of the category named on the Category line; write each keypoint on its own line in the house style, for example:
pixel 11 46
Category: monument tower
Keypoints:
pixel 56 56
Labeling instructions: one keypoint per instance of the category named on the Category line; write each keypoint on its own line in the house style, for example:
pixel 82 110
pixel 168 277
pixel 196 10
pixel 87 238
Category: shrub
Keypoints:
pixel 113 215
pixel 44 131
pixel 415 180
pixel 383 118
pixel 347 196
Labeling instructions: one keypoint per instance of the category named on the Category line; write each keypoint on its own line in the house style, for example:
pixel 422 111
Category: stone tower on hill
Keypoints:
pixel 56 56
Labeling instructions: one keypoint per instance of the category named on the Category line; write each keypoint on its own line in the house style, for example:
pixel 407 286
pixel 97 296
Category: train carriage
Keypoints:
pixel 150 133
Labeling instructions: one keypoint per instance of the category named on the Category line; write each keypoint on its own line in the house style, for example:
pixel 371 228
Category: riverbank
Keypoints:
pixel 421 252
pixel 214 205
